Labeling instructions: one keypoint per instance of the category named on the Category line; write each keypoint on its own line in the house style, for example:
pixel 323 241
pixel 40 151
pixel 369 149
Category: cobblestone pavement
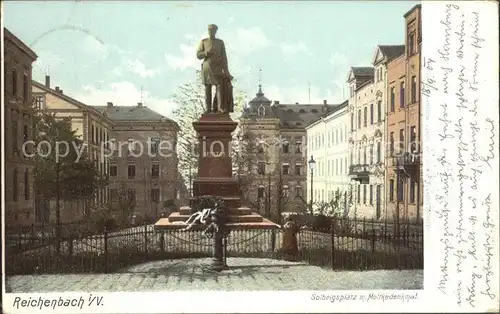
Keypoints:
pixel 243 274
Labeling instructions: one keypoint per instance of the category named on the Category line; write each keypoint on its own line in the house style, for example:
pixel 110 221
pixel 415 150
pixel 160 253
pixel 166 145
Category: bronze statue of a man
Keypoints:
pixel 215 72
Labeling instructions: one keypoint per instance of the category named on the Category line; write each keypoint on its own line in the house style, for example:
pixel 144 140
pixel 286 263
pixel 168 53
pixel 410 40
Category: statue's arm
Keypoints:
pixel 200 53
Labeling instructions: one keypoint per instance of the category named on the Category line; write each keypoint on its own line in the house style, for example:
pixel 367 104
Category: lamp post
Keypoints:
pixel 312 165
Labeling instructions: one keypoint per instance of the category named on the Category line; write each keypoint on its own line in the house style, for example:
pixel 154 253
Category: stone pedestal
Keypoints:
pixel 215 178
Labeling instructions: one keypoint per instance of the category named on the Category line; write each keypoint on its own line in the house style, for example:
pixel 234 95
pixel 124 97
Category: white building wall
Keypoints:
pixel 327 143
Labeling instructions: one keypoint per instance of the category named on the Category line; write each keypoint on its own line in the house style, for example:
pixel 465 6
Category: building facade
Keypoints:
pixel 143 163
pixel 366 142
pixel 382 56
pixel 18 127
pixel 92 127
pixel 276 178
pixel 404 169
pixel 327 144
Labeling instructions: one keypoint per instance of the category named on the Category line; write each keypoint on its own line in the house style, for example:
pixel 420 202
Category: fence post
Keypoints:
pixel 70 245
pixel 273 240
pixel 105 250
pixel 162 241
pixel 373 236
pixel 334 221
pixel 145 238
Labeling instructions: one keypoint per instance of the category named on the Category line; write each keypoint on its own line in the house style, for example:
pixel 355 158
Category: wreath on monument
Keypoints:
pixel 210 211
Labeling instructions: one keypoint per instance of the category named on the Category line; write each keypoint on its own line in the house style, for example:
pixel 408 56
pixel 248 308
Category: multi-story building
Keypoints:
pixel 144 159
pixel 92 127
pixel 18 125
pixel 383 55
pixel 134 146
pixel 276 180
pixel 327 144
pixel 404 171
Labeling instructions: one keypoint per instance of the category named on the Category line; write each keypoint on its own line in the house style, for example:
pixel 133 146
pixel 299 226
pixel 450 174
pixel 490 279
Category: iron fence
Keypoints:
pixel 346 244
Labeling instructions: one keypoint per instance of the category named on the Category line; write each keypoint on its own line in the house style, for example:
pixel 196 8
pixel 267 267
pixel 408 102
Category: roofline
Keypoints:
pixel 387 59
pixel 19 43
pixel 394 59
pixel 415 7
pixel 370 81
pixel 325 115
pixel 66 98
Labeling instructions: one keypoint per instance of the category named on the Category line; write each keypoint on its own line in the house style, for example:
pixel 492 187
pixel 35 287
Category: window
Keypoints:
pixel 131 171
pixel 359 155
pixel 261 111
pixel 413 89
pixel 298 191
pixel 411 44
pixel 359 194
pixel 391 190
pixel 364 194
pixel 393 98
pixel 371 154
pixel 286 169
pixel 131 195
pixel 365 117
pixel 352 122
pixel 359 118
pixel 15 131
pixel 379 111
pixel 391 144
pixel 261 168
pixel 26 185
pixel 285 191
pixel 412 191
pixel 38 102
pixel 371 114
pixel 286 147
pixel 154 146
pixel 260 192
pixel 364 155
pixel 379 152
pixel 113 170
pixel 401 140
pixel 14 82
pixel 371 194
pixel 400 189
pixel 298 169
pixel 15 186
pixel 155 170
pixel 155 195
pixel 260 146
pixel 131 145
pixel 25 86
pixel 298 147
pixel 401 95
pixel 413 139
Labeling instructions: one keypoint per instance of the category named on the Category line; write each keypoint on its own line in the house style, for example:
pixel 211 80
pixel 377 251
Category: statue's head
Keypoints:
pixel 212 30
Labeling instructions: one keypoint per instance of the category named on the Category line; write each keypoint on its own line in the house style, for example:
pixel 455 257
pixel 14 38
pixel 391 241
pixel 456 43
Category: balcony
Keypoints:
pixel 407 164
pixel 360 172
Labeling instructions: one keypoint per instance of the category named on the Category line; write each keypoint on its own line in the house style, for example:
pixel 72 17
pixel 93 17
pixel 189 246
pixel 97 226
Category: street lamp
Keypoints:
pixel 312 165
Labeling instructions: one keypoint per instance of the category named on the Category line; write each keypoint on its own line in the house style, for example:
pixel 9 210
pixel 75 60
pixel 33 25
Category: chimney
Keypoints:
pixel 60 91
pixel 110 104
pixel 276 102
pixel 139 104
pixel 325 102
pixel 296 103
pixel 47 81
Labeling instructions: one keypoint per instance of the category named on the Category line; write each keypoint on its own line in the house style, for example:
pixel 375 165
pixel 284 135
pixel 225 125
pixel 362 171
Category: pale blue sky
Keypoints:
pixel 105 51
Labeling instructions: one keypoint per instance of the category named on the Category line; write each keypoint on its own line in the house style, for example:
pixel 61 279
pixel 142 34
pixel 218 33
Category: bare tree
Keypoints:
pixel 190 100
